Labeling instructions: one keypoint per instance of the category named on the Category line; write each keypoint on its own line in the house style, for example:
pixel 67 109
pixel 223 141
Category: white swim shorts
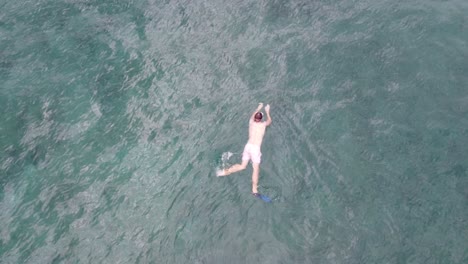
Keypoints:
pixel 252 152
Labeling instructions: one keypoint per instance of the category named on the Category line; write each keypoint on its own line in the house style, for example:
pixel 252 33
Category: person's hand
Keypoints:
pixel 260 105
pixel 267 108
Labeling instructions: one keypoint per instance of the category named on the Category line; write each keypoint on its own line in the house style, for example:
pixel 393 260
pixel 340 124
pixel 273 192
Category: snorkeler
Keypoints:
pixel 252 148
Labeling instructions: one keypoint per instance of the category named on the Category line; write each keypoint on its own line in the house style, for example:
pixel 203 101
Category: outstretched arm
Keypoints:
pixel 267 110
pixel 260 105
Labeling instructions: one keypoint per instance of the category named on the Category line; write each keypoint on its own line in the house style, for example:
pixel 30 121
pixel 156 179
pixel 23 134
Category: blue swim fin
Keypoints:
pixel 263 197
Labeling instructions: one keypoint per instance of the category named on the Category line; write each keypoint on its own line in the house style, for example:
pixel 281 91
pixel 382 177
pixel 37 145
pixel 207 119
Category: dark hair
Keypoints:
pixel 258 116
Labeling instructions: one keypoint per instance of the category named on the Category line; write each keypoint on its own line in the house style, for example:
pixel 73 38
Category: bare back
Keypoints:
pixel 256 132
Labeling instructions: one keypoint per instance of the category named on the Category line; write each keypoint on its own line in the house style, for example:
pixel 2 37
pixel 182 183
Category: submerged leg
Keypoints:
pixel 232 169
pixel 255 174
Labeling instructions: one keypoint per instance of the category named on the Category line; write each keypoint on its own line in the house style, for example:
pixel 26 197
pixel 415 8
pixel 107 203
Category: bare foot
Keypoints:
pixel 221 173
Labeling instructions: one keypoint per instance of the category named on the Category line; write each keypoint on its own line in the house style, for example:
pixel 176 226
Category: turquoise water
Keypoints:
pixel 115 115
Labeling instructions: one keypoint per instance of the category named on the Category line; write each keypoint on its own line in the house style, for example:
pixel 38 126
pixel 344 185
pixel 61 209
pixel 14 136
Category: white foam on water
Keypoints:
pixel 226 155
pixel 224 163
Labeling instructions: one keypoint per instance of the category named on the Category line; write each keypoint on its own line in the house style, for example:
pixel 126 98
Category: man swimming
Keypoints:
pixel 252 148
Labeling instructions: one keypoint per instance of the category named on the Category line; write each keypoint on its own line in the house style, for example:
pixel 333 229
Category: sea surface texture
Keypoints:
pixel 115 116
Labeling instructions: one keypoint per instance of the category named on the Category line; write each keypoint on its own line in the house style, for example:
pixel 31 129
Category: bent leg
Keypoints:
pixel 255 174
pixel 233 168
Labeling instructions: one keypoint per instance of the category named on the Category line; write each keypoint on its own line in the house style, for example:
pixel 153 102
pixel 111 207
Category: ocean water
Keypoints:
pixel 116 114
